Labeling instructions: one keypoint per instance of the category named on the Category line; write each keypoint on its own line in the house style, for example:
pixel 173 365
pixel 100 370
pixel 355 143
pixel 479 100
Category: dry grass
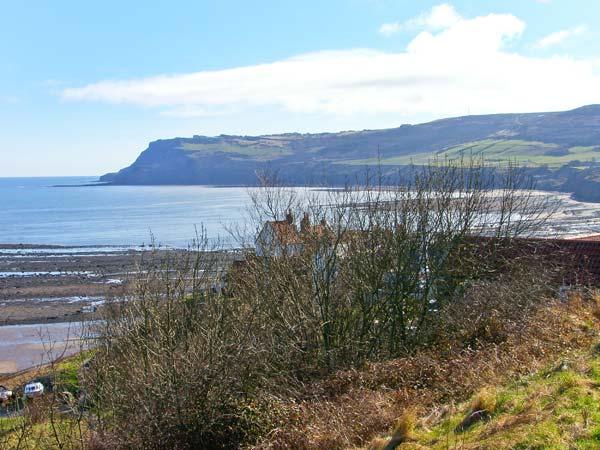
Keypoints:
pixel 482 407
pixel 485 400
pixel 378 444
pixel 404 426
pixel 351 407
pixel 595 298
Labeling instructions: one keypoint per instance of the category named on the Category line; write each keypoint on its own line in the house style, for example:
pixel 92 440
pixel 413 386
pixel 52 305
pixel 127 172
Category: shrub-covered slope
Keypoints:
pixel 555 408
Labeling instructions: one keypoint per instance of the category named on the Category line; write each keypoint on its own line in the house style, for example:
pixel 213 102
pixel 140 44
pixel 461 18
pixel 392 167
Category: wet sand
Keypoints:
pixel 45 293
pixel 25 346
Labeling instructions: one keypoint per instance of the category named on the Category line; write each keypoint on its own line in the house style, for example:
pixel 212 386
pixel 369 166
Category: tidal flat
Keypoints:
pixel 61 284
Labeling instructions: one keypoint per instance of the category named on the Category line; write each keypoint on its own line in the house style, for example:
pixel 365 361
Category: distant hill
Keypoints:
pixel 559 149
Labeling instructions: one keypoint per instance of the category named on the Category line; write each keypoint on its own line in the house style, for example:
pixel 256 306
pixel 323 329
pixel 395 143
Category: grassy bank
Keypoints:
pixel 352 407
pixel 557 407
pixel 539 390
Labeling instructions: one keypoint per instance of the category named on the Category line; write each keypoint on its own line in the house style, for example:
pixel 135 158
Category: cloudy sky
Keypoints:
pixel 84 88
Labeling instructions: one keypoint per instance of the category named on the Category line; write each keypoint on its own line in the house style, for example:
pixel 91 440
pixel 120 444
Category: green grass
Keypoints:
pixel 530 153
pixel 40 435
pixel 67 373
pixel 261 150
pixel 9 424
pixel 558 408
pixel 65 434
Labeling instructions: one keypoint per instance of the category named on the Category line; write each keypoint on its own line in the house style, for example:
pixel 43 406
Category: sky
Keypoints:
pixel 84 86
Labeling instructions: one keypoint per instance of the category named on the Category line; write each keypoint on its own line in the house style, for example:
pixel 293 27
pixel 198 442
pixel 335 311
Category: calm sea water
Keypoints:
pixel 32 211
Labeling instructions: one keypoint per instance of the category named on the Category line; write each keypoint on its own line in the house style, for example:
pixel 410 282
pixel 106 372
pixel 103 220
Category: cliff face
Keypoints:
pixel 560 149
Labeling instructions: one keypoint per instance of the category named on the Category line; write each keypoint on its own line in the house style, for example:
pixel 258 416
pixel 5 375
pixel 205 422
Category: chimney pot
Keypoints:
pixel 305 223
pixel 289 217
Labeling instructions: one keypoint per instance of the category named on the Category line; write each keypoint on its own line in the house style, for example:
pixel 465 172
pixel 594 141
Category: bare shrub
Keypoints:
pixel 177 365
pixel 372 267
pixel 207 351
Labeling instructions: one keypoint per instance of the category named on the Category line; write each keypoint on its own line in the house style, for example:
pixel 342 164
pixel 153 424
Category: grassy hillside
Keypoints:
pixel 433 392
pixel 555 408
pixel 261 150
pixel 555 147
pixel 527 153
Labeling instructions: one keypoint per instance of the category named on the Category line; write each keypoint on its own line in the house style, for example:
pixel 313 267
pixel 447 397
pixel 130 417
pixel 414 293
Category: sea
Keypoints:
pixel 36 211
pixel 62 211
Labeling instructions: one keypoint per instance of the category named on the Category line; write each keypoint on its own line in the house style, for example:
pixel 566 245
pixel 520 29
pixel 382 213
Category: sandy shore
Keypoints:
pixel 45 293
pixel 25 346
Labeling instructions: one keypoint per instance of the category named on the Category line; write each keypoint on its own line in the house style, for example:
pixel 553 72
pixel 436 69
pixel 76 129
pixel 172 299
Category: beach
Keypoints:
pixel 26 346
pixel 49 284
pixel 48 291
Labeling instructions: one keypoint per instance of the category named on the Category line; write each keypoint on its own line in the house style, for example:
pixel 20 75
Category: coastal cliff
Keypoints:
pixel 558 149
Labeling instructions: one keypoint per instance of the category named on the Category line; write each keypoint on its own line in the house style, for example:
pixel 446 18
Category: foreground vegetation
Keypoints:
pixel 540 389
pixel 554 408
pixel 382 301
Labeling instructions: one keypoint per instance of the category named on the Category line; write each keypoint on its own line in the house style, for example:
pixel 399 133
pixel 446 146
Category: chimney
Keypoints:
pixel 289 218
pixel 305 224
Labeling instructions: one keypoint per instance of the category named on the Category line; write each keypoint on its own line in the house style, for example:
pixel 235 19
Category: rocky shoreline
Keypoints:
pixel 50 283
pixel 42 284
pixel 47 289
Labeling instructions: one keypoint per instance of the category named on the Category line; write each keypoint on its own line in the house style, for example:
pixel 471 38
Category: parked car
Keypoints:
pixel 5 394
pixel 34 389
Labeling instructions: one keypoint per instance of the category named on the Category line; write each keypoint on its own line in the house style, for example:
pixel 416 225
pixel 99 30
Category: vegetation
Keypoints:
pixel 528 153
pixel 557 407
pixel 384 302
pixel 53 422
pixel 262 150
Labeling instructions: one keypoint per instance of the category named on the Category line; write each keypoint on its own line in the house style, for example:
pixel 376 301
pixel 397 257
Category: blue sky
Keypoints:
pixel 84 86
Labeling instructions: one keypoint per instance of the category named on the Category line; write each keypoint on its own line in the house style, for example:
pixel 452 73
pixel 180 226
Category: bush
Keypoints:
pixel 180 372
pixel 185 365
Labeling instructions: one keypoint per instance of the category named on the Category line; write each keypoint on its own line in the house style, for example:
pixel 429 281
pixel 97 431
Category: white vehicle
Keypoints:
pixel 5 394
pixel 34 389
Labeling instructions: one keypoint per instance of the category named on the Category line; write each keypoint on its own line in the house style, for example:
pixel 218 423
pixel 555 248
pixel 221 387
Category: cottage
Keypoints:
pixel 282 238
pixel 279 238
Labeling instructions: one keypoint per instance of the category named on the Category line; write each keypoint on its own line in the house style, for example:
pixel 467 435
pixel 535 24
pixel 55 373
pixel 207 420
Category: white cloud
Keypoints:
pixel 465 64
pixel 387 29
pixel 559 37
pixel 438 18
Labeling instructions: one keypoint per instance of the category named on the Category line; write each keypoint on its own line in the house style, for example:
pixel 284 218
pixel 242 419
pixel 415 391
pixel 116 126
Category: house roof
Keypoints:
pixel 285 232
pixel 319 230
